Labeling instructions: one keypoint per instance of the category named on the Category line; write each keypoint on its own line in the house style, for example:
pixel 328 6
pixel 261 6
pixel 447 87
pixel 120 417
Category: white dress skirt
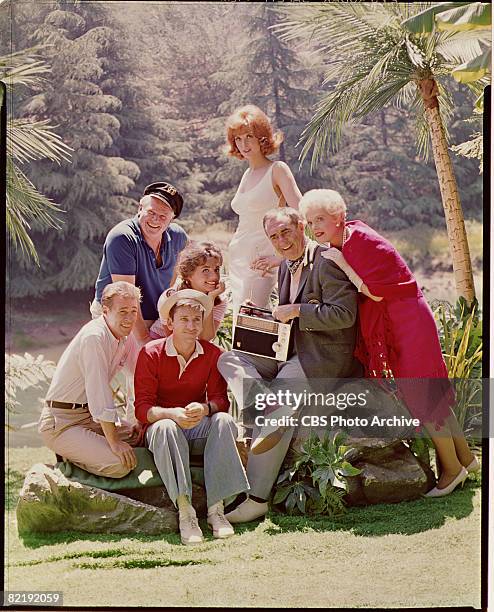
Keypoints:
pixel 250 241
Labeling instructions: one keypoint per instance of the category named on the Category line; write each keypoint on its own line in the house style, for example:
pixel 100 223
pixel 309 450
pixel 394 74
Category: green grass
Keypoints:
pixel 423 553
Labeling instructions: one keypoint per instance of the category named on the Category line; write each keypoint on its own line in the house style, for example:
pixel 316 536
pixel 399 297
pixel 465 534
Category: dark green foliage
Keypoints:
pixel 142 91
pixel 310 484
pixel 381 519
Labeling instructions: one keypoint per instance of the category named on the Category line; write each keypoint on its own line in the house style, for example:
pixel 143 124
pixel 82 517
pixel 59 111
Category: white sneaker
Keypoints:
pixel 190 532
pixel 218 523
pixel 247 511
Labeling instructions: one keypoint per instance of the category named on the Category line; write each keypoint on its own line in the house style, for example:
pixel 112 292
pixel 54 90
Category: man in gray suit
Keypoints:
pixel 322 303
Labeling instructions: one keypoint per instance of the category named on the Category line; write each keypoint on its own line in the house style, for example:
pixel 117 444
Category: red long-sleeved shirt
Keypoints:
pixel 157 379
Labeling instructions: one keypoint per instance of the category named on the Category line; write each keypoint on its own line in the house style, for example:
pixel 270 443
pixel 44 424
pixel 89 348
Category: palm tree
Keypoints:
pixel 28 139
pixel 374 60
pixel 474 69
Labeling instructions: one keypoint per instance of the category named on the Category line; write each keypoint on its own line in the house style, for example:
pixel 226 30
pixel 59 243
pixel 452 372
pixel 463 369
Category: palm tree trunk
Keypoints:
pixel 455 223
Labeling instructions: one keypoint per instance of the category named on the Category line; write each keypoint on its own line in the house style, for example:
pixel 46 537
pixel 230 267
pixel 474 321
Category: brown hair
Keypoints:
pixel 251 117
pixel 194 255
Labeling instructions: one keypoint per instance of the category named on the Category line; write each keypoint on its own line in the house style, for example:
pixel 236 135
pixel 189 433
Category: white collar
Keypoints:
pixel 171 351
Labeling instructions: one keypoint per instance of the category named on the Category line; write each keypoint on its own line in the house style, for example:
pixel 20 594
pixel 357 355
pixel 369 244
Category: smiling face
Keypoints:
pixel 206 276
pixel 186 323
pixel 247 144
pixel 287 238
pixel 154 217
pixel 325 227
pixel 121 315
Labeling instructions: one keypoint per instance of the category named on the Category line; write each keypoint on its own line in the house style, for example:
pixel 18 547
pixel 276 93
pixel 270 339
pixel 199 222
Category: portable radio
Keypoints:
pixel 256 332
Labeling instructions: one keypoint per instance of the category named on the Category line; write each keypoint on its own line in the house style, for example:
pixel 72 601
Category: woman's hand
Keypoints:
pixel 365 291
pixel 218 291
pixel 335 255
pixel 265 264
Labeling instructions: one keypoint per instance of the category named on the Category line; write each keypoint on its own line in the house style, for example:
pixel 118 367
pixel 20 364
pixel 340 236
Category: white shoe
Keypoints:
pixel 247 511
pixel 218 523
pixel 190 532
pixel 458 480
pixel 474 466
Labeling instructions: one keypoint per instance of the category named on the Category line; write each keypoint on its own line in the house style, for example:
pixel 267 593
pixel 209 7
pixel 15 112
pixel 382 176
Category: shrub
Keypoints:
pixel 313 485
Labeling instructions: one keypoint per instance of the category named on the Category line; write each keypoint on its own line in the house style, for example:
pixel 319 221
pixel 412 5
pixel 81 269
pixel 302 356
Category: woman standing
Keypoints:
pixel 397 332
pixel 264 185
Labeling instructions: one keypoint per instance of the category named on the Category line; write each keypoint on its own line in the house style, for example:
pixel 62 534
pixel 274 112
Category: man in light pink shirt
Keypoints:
pixel 79 420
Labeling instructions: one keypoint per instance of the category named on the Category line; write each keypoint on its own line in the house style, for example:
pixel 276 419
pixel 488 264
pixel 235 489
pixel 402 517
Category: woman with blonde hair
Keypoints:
pixel 264 185
pixel 198 268
pixel 397 333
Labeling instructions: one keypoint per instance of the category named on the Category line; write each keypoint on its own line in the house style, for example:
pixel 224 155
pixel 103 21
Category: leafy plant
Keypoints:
pixel 313 484
pixel 460 333
pixel 23 371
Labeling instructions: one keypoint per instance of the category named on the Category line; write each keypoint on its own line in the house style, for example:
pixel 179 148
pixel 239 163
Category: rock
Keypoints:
pixel 157 496
pixel 49 502
pixel 390 471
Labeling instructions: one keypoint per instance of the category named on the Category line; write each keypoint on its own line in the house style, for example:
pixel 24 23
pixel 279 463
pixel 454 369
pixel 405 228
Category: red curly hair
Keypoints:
pixel 250 117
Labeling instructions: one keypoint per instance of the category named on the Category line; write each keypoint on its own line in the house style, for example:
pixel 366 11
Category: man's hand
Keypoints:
pixel 124 452
pixel 135 434
pixel 287 312
pixel 183 419
pixel 265 264
pixel 197 409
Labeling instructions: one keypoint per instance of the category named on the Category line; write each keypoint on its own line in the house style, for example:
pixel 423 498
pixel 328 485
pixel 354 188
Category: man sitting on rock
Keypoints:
pixel 79 420
pixel 322 303
pixel 182 400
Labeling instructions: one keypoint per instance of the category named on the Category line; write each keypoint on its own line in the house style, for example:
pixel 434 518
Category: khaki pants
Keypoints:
pixel 75 436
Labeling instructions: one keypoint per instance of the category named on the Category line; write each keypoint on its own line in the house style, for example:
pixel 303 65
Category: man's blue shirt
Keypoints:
pixel 126 252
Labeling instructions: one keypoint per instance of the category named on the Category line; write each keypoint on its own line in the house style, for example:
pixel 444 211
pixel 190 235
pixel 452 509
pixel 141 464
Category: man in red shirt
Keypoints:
pixel 182 400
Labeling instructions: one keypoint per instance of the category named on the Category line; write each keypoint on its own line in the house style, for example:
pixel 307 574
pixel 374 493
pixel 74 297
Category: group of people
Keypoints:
pixel 355 310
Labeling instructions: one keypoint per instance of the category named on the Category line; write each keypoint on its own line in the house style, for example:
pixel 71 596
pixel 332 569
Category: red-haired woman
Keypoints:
pixel 264 185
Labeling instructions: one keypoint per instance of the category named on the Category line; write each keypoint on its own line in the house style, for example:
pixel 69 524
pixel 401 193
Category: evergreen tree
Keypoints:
pixel 92 189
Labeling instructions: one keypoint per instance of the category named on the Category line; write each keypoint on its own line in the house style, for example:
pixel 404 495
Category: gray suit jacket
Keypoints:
pixel 324 333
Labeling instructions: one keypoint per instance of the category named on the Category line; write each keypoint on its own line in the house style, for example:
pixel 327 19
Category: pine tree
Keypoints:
pixel 92 189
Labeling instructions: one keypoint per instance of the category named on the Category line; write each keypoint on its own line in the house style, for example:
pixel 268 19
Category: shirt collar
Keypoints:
pixel 171 351
pixel 113 340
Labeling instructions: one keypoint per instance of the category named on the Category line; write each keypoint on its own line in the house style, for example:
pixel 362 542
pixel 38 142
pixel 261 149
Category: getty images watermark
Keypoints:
pixel 284 400
pixel 368 407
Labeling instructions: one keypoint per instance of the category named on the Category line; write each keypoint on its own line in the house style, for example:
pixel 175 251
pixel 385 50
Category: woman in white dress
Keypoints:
pixel 264 185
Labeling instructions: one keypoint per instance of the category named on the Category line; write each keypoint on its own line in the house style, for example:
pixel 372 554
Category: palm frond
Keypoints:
pixel 462 47
pixel 423 21
pixel 466 16
pixel 25 204
pixel 405 96
pixel 31 140
pixel 26 74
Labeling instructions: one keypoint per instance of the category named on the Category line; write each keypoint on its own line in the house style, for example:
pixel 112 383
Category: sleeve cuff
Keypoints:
pixel 108 415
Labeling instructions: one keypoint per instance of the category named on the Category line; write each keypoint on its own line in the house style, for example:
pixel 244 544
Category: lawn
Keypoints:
pixel 417 554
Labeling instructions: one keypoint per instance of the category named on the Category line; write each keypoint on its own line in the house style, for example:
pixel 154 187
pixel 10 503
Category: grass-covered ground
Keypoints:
pixel 418 554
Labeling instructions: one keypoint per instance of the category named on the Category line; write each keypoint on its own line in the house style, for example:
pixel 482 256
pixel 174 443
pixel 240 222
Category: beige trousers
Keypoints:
pixel 75 436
